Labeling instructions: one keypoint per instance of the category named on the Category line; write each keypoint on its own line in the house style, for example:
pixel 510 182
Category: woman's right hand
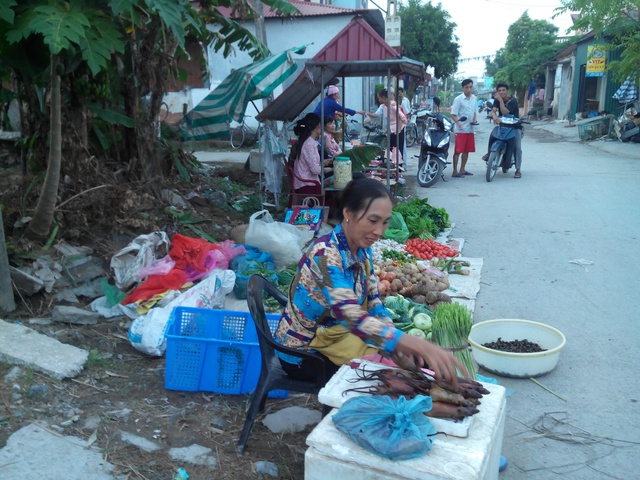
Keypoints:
pixel 426 354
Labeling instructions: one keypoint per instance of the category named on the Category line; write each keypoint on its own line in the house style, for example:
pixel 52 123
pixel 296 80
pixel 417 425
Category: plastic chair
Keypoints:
pixel 272 376
pixel 297 198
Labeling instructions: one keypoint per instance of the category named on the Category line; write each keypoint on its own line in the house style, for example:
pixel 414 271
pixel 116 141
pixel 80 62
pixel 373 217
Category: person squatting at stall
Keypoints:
pixel 331 147
pixel 307 165
pixel 505 104
pixel 334 304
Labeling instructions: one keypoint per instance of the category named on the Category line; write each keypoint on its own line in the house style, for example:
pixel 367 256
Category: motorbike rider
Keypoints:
pixel 505 104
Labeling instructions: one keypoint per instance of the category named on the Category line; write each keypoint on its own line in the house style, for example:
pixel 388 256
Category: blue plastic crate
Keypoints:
pixel 214 351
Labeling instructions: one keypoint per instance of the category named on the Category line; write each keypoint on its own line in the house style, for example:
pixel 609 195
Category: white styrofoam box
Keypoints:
pixel 345 378
pixel 331 454
pixel 255 162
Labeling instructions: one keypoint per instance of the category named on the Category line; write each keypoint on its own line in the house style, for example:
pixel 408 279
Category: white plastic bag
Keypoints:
pixel 140 253
pixel 147 332
pixel 282 240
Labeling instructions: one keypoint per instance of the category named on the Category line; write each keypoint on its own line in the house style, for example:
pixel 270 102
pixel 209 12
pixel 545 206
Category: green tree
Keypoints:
pixel 530 44
pixel 427 35
pixel 493 66
pixel 99 69
pixel 618 20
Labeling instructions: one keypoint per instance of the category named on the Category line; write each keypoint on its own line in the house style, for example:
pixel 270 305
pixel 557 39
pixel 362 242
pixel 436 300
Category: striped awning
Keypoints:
pixel 627 92
pixel 212 116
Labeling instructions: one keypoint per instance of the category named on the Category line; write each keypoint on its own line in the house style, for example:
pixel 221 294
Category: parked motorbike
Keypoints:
pixel 502 154
pixel 416 126
pixel 488 105
pixel 434 149
pixel 375 136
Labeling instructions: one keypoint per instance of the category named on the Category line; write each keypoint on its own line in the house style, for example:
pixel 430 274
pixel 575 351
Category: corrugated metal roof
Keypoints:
pixel 356 51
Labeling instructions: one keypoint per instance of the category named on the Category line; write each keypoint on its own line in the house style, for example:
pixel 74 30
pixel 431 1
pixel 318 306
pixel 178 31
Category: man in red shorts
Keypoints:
pixel 465 105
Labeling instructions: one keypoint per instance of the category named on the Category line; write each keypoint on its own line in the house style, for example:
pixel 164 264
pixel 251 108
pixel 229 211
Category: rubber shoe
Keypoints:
pixel 503 463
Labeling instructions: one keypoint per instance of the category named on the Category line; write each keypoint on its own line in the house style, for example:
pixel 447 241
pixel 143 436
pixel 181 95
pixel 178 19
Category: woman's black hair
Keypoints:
pixel 328 119
pixel 359 194
pixel 303 130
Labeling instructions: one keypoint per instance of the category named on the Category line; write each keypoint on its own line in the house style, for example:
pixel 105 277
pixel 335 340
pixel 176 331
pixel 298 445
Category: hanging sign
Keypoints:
pixel 596 60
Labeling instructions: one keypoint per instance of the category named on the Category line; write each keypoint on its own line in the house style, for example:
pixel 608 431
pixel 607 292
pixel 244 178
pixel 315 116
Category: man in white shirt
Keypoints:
pixel 464 105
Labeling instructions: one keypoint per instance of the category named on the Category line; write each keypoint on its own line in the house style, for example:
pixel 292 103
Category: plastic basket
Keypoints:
pixel 596 127
pixel 214 351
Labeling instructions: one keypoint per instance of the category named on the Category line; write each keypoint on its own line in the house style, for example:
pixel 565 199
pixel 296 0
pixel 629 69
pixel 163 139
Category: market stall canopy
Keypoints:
pixel 356 51
pixel 627 92
pixel 211 117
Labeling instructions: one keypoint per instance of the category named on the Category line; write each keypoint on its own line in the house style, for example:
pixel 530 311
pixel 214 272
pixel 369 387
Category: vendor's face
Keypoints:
pixel 363 230
pixel 330 126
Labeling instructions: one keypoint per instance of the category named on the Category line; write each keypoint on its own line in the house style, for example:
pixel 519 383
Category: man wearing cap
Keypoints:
pixel 331 105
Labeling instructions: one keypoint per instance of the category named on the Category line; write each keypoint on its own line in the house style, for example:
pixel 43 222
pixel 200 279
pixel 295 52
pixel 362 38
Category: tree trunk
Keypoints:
pixel 41 223
pixel 7 303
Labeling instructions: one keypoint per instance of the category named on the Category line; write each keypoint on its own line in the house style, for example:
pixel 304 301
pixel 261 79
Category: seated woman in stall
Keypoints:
pixel 307 166
pixel 334 306
pixel 331 147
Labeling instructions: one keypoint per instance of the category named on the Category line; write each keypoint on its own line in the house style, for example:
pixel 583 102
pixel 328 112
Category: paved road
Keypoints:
pixel 574 201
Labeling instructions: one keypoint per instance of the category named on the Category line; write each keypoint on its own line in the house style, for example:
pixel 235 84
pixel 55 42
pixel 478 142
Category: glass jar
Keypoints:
pixel 341 172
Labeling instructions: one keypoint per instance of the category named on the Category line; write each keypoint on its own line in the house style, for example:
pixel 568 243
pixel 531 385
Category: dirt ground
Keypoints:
pixel 121 388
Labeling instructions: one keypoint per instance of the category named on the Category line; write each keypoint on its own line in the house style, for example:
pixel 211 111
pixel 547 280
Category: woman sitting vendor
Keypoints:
pixel 334 305
pixel 331 147
pixel 307 166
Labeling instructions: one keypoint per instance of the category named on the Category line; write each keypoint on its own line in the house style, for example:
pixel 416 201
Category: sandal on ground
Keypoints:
pixel 467 173
pixel 458 175
pixel 518 175
pixel 485 157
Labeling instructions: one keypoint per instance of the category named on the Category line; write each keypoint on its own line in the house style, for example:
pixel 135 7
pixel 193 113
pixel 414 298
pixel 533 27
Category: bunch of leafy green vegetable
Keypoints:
pixel 424 221
pixel 409 316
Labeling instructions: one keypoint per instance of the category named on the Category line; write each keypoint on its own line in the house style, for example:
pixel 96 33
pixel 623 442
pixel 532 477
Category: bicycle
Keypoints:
pixel 242 133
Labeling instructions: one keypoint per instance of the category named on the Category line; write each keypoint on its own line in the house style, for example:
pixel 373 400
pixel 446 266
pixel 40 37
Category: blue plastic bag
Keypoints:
pixel 254 260
pixel 393 429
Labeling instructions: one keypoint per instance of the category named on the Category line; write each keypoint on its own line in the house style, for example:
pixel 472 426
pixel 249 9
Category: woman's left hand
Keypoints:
pixel 424 353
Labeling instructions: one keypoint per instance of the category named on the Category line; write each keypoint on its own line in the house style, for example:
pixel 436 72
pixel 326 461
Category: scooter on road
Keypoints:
pixel 434 149
pixel 502 153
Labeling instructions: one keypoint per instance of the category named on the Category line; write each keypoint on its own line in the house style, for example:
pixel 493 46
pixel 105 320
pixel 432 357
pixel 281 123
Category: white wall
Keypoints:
pixel 282 35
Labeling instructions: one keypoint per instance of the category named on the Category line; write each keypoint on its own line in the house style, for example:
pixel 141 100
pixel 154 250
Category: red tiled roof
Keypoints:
pixel 307 9
pixel 310 9
pixel 356 42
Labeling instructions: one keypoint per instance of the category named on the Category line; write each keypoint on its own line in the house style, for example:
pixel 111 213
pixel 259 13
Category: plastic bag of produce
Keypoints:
pixel 245 265
pixel 397 229
pixel 393 429
pixel 283 241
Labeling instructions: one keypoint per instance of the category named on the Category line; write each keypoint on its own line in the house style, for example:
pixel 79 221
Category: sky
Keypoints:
pixel 482 25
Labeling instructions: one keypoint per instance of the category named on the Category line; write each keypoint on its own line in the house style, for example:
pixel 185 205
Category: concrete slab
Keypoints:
pixel 33 452
pixel 196 454
pixel 140 442
pixel 20 345
pixel 291 419
pixel 222 157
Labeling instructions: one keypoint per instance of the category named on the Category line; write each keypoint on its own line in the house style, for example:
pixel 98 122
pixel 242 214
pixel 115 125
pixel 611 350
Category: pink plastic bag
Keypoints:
pixel 161 266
